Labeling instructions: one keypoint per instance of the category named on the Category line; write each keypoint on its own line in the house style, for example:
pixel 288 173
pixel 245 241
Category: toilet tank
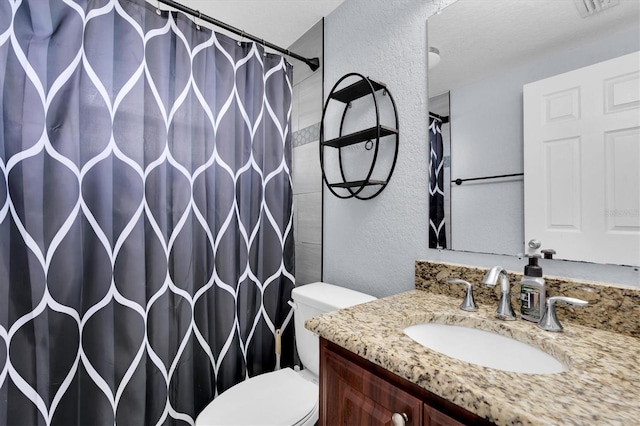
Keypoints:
pixel 315 299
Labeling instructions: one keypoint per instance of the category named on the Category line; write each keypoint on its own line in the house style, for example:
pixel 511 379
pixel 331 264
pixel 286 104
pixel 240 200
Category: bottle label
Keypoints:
pixel 529 301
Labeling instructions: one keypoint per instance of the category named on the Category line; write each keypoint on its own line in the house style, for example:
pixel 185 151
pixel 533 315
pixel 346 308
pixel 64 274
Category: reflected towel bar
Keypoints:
pixel 459 181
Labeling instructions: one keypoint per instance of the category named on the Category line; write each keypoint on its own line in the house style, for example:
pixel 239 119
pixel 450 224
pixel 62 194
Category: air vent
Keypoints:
pixel 591 7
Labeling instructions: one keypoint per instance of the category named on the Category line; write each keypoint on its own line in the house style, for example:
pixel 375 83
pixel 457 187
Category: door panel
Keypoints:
pixel 581 162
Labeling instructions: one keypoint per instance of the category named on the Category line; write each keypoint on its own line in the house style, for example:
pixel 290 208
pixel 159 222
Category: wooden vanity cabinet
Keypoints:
pixel 356 392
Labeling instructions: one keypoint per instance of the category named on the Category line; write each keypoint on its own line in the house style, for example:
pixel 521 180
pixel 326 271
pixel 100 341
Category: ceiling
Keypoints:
pixel 280 22
pixel 484 36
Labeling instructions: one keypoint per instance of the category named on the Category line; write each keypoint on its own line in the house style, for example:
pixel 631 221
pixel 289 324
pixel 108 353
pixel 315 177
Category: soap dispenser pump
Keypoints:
pixel 532 291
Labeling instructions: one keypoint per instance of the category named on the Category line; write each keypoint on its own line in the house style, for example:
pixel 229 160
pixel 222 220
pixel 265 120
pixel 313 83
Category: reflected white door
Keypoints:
pixel 582 162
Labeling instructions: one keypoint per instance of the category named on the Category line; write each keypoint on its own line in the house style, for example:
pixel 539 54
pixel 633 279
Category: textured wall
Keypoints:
pixel 371 245
pixel 307 176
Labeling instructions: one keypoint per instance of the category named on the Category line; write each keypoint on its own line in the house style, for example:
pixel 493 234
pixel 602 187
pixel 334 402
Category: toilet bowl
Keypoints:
pixel 284 397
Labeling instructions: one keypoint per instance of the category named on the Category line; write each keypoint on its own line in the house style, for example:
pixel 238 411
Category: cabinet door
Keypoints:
pixel 353 396
pixel 433 417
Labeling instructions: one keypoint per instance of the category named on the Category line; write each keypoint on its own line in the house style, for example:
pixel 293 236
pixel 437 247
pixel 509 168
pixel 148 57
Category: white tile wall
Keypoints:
pixel 307 175
pixel 310 100
pixel 307 263
pixel 310 46
pixel 309 217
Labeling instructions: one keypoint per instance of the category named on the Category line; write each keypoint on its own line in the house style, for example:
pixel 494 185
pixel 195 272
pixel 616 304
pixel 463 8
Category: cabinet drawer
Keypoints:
pixel 357 392
pixel 354 396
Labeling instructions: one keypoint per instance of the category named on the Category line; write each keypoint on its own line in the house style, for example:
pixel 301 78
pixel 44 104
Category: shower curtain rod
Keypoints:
pixel 313 63
pixel 443 119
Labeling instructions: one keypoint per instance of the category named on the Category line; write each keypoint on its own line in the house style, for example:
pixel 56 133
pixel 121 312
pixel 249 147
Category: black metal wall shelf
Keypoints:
pixel 361 136
pixel 357 90
pixel 371 137
pixel 357 184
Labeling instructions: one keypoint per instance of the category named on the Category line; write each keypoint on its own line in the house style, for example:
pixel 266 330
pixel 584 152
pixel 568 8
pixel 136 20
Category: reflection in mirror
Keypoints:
pixel 439 172
pixel 488 51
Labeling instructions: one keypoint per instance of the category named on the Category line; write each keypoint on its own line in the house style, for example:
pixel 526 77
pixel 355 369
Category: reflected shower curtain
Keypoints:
pixel 437 236
pixel 146 242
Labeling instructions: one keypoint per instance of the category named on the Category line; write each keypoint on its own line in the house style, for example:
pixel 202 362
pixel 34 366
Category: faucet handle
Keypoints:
pixel 468 304
pixel 549 320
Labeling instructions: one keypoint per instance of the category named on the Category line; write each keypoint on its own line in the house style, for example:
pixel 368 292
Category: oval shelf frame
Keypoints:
pixel 346 95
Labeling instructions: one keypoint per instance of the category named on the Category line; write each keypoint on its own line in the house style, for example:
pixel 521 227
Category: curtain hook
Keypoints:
pixel 158 11
pixel 264 48
pixel 241 38
pixel 198 18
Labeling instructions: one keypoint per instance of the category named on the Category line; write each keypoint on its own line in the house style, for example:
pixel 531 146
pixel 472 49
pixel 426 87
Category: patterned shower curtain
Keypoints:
pixel 437 236
pixel 146 241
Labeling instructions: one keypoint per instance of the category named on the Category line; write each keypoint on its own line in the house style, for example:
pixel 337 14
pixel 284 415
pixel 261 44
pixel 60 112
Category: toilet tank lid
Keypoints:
pixel 328 297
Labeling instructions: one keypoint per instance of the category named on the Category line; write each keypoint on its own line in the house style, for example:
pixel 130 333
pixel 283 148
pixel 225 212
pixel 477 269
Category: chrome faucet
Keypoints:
pixel 504 310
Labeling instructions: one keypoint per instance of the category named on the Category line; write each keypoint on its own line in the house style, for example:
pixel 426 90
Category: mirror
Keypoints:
pixel 487 51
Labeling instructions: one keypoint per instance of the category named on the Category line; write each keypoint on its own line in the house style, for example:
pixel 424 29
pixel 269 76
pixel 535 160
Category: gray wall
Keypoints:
pixel 372 245
pixel 307 177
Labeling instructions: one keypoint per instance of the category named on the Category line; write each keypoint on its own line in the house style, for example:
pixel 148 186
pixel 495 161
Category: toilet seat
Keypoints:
pixel 279 398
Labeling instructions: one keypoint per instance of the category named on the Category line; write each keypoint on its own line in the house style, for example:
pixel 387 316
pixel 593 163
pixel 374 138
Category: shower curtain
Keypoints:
pixel 146 242
pixel 437 236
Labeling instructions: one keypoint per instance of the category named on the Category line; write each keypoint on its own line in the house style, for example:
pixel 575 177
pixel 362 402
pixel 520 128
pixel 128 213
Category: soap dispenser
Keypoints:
pixel 532 291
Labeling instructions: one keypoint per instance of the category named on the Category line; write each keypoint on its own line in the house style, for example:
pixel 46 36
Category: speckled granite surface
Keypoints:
pixel 601 386
pixel 610 307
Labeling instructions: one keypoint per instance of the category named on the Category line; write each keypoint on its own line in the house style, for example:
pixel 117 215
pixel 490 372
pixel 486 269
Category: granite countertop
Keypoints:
pixel 601 386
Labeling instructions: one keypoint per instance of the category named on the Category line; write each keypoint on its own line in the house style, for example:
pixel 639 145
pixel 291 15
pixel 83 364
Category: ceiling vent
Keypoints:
pixel 591 7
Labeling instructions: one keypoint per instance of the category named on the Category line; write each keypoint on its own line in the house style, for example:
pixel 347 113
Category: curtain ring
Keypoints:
pixel 158 11
pixel 241 38
pixel 197 20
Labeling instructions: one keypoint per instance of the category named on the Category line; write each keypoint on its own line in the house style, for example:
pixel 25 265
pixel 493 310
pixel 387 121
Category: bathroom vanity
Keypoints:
pixel 370 369
pixel 355 391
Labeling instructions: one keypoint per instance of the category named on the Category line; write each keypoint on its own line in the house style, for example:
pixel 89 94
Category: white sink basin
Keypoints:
pixel 484 348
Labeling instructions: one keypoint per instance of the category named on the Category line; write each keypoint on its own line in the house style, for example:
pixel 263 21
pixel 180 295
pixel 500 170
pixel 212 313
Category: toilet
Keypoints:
pixel 284 397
